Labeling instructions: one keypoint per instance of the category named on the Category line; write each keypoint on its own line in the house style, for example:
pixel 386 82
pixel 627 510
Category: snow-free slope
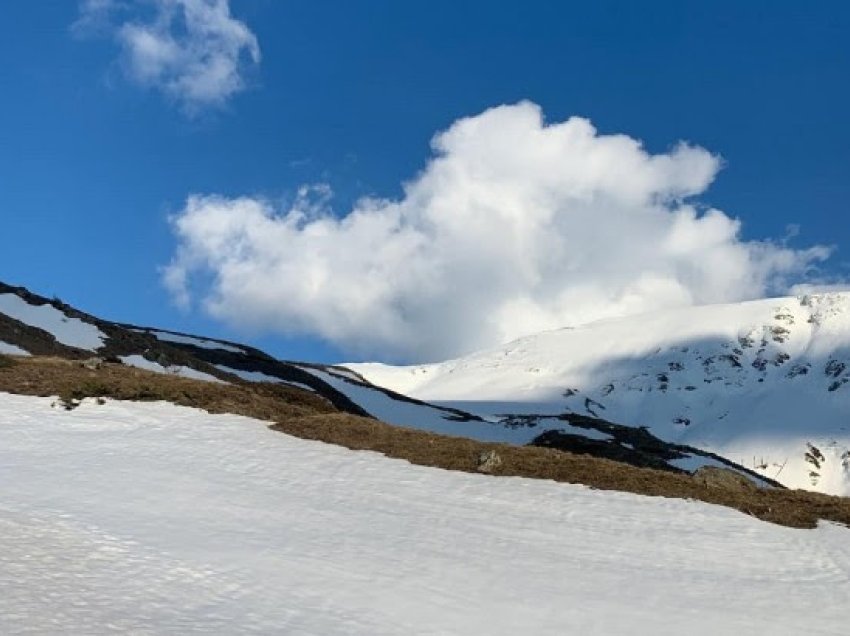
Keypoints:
pixel 766 384
pixel 151 518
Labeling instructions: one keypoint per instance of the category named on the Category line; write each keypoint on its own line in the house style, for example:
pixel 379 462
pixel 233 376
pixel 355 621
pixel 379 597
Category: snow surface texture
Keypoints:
pixel 765 384
pixel 141 362
pixel 72 332
pixel 12 350
pixel 150 518
pixel 202 343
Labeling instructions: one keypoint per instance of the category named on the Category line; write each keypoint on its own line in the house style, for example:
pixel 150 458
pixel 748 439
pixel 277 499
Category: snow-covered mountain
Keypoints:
pixel 763 383
pixel 31 324
pixel 148 517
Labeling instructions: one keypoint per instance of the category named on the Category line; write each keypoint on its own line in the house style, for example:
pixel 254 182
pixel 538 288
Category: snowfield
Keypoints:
pixel 765 384
pixel 152 519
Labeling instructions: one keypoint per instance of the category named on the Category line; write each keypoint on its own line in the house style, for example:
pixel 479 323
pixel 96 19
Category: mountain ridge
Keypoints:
pixel 35 324
pixel 764 383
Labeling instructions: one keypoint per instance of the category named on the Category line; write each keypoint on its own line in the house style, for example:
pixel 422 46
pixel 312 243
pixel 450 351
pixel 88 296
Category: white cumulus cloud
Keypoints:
pixel 514 226
pixel 194 51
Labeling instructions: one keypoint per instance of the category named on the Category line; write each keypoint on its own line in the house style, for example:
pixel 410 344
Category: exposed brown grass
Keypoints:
pixel 796 508
pixel 70 381
pixel 304 415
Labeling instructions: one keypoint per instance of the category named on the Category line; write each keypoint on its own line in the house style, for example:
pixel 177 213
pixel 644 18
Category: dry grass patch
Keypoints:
pixel 73 382
pixel 795 508
pixel 302 414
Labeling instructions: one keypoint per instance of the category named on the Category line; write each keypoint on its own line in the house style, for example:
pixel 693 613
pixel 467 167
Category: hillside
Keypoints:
pixel 162 483
pixel 34 325
pixel 765 384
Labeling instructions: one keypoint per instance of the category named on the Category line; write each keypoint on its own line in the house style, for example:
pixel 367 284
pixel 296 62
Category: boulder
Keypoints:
pixel 715 477
pixel 488 462
pixel 92 364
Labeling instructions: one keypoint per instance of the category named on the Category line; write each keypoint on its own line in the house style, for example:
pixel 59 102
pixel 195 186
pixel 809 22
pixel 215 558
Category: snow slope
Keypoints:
pixel 151 518
pixel 69 331
pixel 765 383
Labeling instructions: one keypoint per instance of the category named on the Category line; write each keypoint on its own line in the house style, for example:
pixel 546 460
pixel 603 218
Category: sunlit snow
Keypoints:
pixel 765 384
pixel 72 332
pixel 151 518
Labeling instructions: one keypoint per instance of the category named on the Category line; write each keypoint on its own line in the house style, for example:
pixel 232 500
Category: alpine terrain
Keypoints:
pixel 158 482
pixel 765 384
pixel 31 324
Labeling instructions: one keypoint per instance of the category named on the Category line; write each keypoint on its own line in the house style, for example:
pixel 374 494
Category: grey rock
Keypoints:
pixel 92 364
pixel 714 477
pixel 488 462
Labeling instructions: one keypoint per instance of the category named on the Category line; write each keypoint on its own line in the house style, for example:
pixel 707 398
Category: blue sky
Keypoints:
pixel 94 159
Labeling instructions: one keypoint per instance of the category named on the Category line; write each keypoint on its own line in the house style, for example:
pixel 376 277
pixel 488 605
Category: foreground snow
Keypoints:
pixel 152 518
pixel 765 384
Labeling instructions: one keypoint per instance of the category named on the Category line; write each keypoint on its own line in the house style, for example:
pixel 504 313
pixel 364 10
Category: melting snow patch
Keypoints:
pixel 184 372
pixel 197 342
pixel 12 350
pixel 589 433
pixel 72 332
pixel 259 376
